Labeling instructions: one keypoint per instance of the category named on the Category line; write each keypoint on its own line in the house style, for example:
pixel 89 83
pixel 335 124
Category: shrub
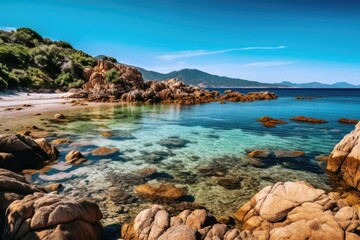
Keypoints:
pixel 26 36
pixel 113 76
pixel 14 55
pixel 77 84
pixel 83 59
pixel 3 84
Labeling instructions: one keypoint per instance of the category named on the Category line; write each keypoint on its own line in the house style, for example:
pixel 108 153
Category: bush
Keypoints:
pixel 77 84
pixel 26 36
pixel 14 55
pixel 64 79
pixel 111 59
pixel 113 76
pixel 3 84
pixel 20 77
pixel 83 59
pixel 63 44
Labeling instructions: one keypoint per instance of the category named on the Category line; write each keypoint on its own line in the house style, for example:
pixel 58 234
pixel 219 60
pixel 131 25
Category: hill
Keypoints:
pixel 203 79
pixel 30 62
pixel 320 85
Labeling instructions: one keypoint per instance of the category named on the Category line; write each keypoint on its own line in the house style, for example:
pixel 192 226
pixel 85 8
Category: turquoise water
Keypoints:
pixel 182 141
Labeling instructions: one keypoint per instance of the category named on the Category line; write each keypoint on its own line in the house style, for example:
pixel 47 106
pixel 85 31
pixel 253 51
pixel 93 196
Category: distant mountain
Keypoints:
pixel 203 79
pixel 319 85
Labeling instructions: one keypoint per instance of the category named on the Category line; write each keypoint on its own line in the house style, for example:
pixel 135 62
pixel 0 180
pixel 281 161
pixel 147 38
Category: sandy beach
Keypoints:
pixel 18 109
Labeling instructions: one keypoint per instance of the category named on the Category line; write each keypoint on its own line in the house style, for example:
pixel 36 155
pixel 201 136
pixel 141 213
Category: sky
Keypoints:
pixel 262 40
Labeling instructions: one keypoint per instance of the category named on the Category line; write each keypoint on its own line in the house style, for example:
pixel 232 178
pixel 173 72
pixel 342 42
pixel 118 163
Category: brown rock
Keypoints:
pixel 307 119
pixel 348 121
pixel 60 141
pixel 75 157
pixel 104 151
pixel 53 187
pixel 345 157
pixel 106 134
pixel 27 153
pixel 52 216
pixel 163 191
pixel 270 122
pixel 276 154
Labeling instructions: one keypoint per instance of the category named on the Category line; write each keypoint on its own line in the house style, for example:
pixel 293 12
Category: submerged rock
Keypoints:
pixel 104 151
pixel 307 119
pixel 275 154
pixel 59 116
pixel 23 152
pixel 173 142
pixel 345 158
pixel 164 191
pixel 60 141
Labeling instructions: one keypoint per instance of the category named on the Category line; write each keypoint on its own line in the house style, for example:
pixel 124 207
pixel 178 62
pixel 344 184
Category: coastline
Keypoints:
pixel 42 105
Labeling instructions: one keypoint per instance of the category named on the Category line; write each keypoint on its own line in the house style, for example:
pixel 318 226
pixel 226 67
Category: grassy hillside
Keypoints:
pixel 29 61
pixel 200 78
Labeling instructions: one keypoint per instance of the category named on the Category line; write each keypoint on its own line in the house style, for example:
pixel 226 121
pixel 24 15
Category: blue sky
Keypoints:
pixel 264 40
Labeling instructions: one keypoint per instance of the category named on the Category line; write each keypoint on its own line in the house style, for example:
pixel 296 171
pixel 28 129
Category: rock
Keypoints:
pixel 276 154
pixel 307 119
pixel 229 182
pixel 348 121
pixel 59 116
pixel 173 142
pixel 60 141
pixel 106 134
pixel 53 187
pixel 273 203
pixel 270 122
pixel 26 152
pixel 52 216
pixel 322 158
pixel 163 191
pixel 104 151
pixel 75 157
pixel 147 172
pixel 345 158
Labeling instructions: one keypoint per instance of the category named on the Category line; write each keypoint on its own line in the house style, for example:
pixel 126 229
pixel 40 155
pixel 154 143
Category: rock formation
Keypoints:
pixel 128 86
pixel 307 119
pixel 345 158
pixel 290 210
pixel 270 122
pixel 18 152
pixel 52 216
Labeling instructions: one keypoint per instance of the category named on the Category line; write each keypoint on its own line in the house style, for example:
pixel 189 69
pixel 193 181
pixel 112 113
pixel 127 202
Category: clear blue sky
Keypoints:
pixel 264 40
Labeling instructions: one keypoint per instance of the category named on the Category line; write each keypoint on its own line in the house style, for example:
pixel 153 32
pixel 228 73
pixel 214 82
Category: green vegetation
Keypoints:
pixel 29 61
pixel 113 76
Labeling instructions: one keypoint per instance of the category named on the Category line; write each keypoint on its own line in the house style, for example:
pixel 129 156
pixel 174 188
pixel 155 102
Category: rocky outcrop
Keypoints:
pixel 270 122
pixel 296 210
pixel 290 210
pixel 20 152
pixel 345 158
pixel 307 119
pixel 275 154
pixel 104 151
pixel 348 121
pixel 52 216
pixel 128 86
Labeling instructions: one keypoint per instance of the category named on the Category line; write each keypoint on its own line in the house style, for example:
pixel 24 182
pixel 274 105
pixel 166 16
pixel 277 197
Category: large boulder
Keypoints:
pixel 52 216
pixel 13 187
pixel 345 158
pixel 20 152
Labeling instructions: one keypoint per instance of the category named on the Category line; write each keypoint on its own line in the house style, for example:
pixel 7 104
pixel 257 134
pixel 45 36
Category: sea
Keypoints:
pixel 202 148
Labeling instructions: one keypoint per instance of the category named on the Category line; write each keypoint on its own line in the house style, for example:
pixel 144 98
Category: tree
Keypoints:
pixel 113 76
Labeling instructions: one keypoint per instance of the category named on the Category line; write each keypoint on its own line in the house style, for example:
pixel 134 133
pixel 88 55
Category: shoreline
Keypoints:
pixel 36 106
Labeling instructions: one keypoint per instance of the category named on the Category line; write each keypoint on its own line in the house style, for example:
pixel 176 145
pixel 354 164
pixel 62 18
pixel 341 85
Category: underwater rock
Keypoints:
pixel 75 157
pixel 307 119
pixel 345 158
pixel 60 141
pixel 106 134
pixel 173 142
pixel 52 216
pixel 228 182
pixel 104 151
pixel 26 152
pixel 164 191
pixel 270 122
pixel 275 154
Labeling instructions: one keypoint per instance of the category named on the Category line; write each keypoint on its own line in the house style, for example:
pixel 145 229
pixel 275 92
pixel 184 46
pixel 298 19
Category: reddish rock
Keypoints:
pixel 162 191
pixel 270 122
pixel 307 119
pixel 348 121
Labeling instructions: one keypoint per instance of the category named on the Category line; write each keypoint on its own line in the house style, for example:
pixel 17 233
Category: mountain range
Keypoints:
pixel 203 79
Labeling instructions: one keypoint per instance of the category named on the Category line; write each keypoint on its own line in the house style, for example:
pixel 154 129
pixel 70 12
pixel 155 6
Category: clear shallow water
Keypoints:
pixel 213 141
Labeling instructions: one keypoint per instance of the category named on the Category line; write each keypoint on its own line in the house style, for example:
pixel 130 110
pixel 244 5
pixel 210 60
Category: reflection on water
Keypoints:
pixel 201 147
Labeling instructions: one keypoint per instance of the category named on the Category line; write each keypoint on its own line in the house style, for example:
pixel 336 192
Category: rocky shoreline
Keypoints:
pixel 110 82
pixel 281 211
